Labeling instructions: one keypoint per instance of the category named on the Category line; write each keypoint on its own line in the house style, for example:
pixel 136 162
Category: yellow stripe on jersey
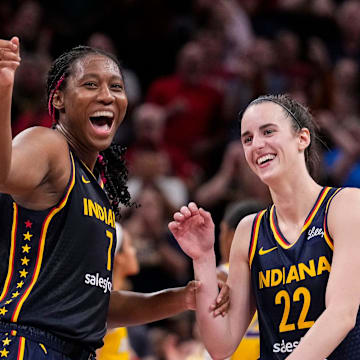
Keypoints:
pixel 316 208
pixel 43 234
pixel 278 237
pixel 21 350
pixel 255 236
pixel 12 253
pixel 327 236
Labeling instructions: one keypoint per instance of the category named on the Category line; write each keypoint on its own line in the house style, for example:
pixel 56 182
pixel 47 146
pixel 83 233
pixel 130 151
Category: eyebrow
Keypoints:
pixel 261 128
pixel 95 75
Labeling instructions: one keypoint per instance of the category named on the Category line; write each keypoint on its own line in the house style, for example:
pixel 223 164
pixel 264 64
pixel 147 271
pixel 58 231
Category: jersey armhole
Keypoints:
pixel 327 237
pixel 254 235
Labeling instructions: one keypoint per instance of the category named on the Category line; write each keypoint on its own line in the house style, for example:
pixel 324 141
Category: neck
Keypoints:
pixel 294 200
pixel 87 157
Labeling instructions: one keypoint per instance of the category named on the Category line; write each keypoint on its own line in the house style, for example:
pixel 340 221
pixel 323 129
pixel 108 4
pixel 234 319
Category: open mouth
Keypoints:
pixel 265 158
pixel 102 120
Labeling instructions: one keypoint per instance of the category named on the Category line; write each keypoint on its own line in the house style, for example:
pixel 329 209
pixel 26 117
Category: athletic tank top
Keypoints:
pixel 289 281
pixel 56 267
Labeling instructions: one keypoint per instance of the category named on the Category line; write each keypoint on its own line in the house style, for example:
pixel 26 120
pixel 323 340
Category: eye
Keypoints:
pixel 268 131
pixel 90 84
pixel 247 139
pixel 117 87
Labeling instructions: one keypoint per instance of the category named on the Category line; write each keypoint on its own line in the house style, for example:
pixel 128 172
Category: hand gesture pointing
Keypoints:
pixel 193 229
pixel 9 61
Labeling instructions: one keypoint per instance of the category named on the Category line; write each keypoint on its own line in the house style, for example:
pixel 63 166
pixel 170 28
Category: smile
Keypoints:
pixel 102 120
pixel 265 158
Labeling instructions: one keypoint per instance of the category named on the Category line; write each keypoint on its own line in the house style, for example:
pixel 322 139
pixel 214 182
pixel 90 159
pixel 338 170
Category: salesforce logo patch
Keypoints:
pixel 98 281
pixel 286 347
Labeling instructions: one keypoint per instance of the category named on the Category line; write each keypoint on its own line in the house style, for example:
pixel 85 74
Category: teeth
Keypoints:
pixel 108 114
pixel 264 158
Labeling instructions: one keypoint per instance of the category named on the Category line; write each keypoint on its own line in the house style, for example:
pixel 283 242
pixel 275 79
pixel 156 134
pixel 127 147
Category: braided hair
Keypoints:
pixel 110 164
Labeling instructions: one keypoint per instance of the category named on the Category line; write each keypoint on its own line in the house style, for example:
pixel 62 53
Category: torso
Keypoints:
pixel 289 279
pixel 62 258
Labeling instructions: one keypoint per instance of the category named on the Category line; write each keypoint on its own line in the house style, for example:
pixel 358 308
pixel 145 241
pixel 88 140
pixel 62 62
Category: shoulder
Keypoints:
pixel 43 142
pixel 344 211
pixel 345 199
pixel 41 134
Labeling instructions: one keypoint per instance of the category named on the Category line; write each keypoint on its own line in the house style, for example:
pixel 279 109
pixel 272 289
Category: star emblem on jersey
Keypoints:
pixel 4 353
pixel 84 180
pixel 23 273
pixel 264 252
pixel 25 261
pixel 28 224
pixel 3 311
pixel 6 341
pixel 27 236
pixel 26 248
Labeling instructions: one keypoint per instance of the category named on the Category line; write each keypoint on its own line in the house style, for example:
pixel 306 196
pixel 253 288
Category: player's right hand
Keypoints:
pixel 9 60
pixel 193 229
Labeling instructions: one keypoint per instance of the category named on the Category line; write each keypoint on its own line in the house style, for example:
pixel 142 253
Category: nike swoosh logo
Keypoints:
pixel 263 252
pixel 84 180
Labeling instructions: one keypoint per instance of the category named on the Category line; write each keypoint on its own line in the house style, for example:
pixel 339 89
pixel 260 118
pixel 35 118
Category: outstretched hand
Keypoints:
pixel 193 229
pixel 9 60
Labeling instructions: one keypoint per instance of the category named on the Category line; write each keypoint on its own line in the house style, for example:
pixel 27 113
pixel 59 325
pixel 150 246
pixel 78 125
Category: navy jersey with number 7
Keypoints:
pixel 58 274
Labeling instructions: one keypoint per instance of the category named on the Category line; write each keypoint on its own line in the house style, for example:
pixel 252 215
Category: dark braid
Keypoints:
pixel 111 163
pixel 112 167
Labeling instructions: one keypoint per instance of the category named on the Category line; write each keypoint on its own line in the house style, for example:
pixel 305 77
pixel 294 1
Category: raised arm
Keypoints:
pixel 35 166
pixel 194 230
pixel 9 62
pixel 343 289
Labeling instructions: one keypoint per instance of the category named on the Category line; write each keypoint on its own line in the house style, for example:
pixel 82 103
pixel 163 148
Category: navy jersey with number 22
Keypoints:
pixel 289 281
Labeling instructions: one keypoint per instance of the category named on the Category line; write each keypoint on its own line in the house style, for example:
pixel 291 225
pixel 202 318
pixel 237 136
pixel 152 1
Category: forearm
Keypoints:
pixel 131 308
pixel 319 342
pixel 6 136
pixel 211 329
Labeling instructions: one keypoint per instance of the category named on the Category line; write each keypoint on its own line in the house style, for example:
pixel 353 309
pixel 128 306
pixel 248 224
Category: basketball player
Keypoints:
pixel 60 194
pixel 297 262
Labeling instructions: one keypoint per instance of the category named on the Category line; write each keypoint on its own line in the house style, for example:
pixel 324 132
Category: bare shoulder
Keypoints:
pixel 344 211
pixel 40 168
pixel 345 200
pixel 42 136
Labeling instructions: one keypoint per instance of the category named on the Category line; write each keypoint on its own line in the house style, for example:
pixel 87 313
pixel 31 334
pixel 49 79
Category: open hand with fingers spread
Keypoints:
pixel 193 229
pixel 9 61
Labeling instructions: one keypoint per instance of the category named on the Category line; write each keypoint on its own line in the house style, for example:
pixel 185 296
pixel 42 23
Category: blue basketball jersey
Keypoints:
pixel 56 267
pixel 289 281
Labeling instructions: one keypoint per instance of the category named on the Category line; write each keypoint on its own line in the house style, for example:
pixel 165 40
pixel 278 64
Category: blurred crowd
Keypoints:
pixel 190 67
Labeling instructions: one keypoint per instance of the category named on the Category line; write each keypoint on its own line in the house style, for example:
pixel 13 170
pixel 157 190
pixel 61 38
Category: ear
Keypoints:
pixel 304 139
pixel 58 100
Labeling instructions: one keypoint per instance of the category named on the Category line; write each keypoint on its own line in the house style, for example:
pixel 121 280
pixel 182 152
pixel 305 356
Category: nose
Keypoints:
pixel 258 142
pixel 105 95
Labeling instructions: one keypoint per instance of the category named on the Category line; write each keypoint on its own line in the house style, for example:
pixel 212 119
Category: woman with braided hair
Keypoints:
pixel 60 191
